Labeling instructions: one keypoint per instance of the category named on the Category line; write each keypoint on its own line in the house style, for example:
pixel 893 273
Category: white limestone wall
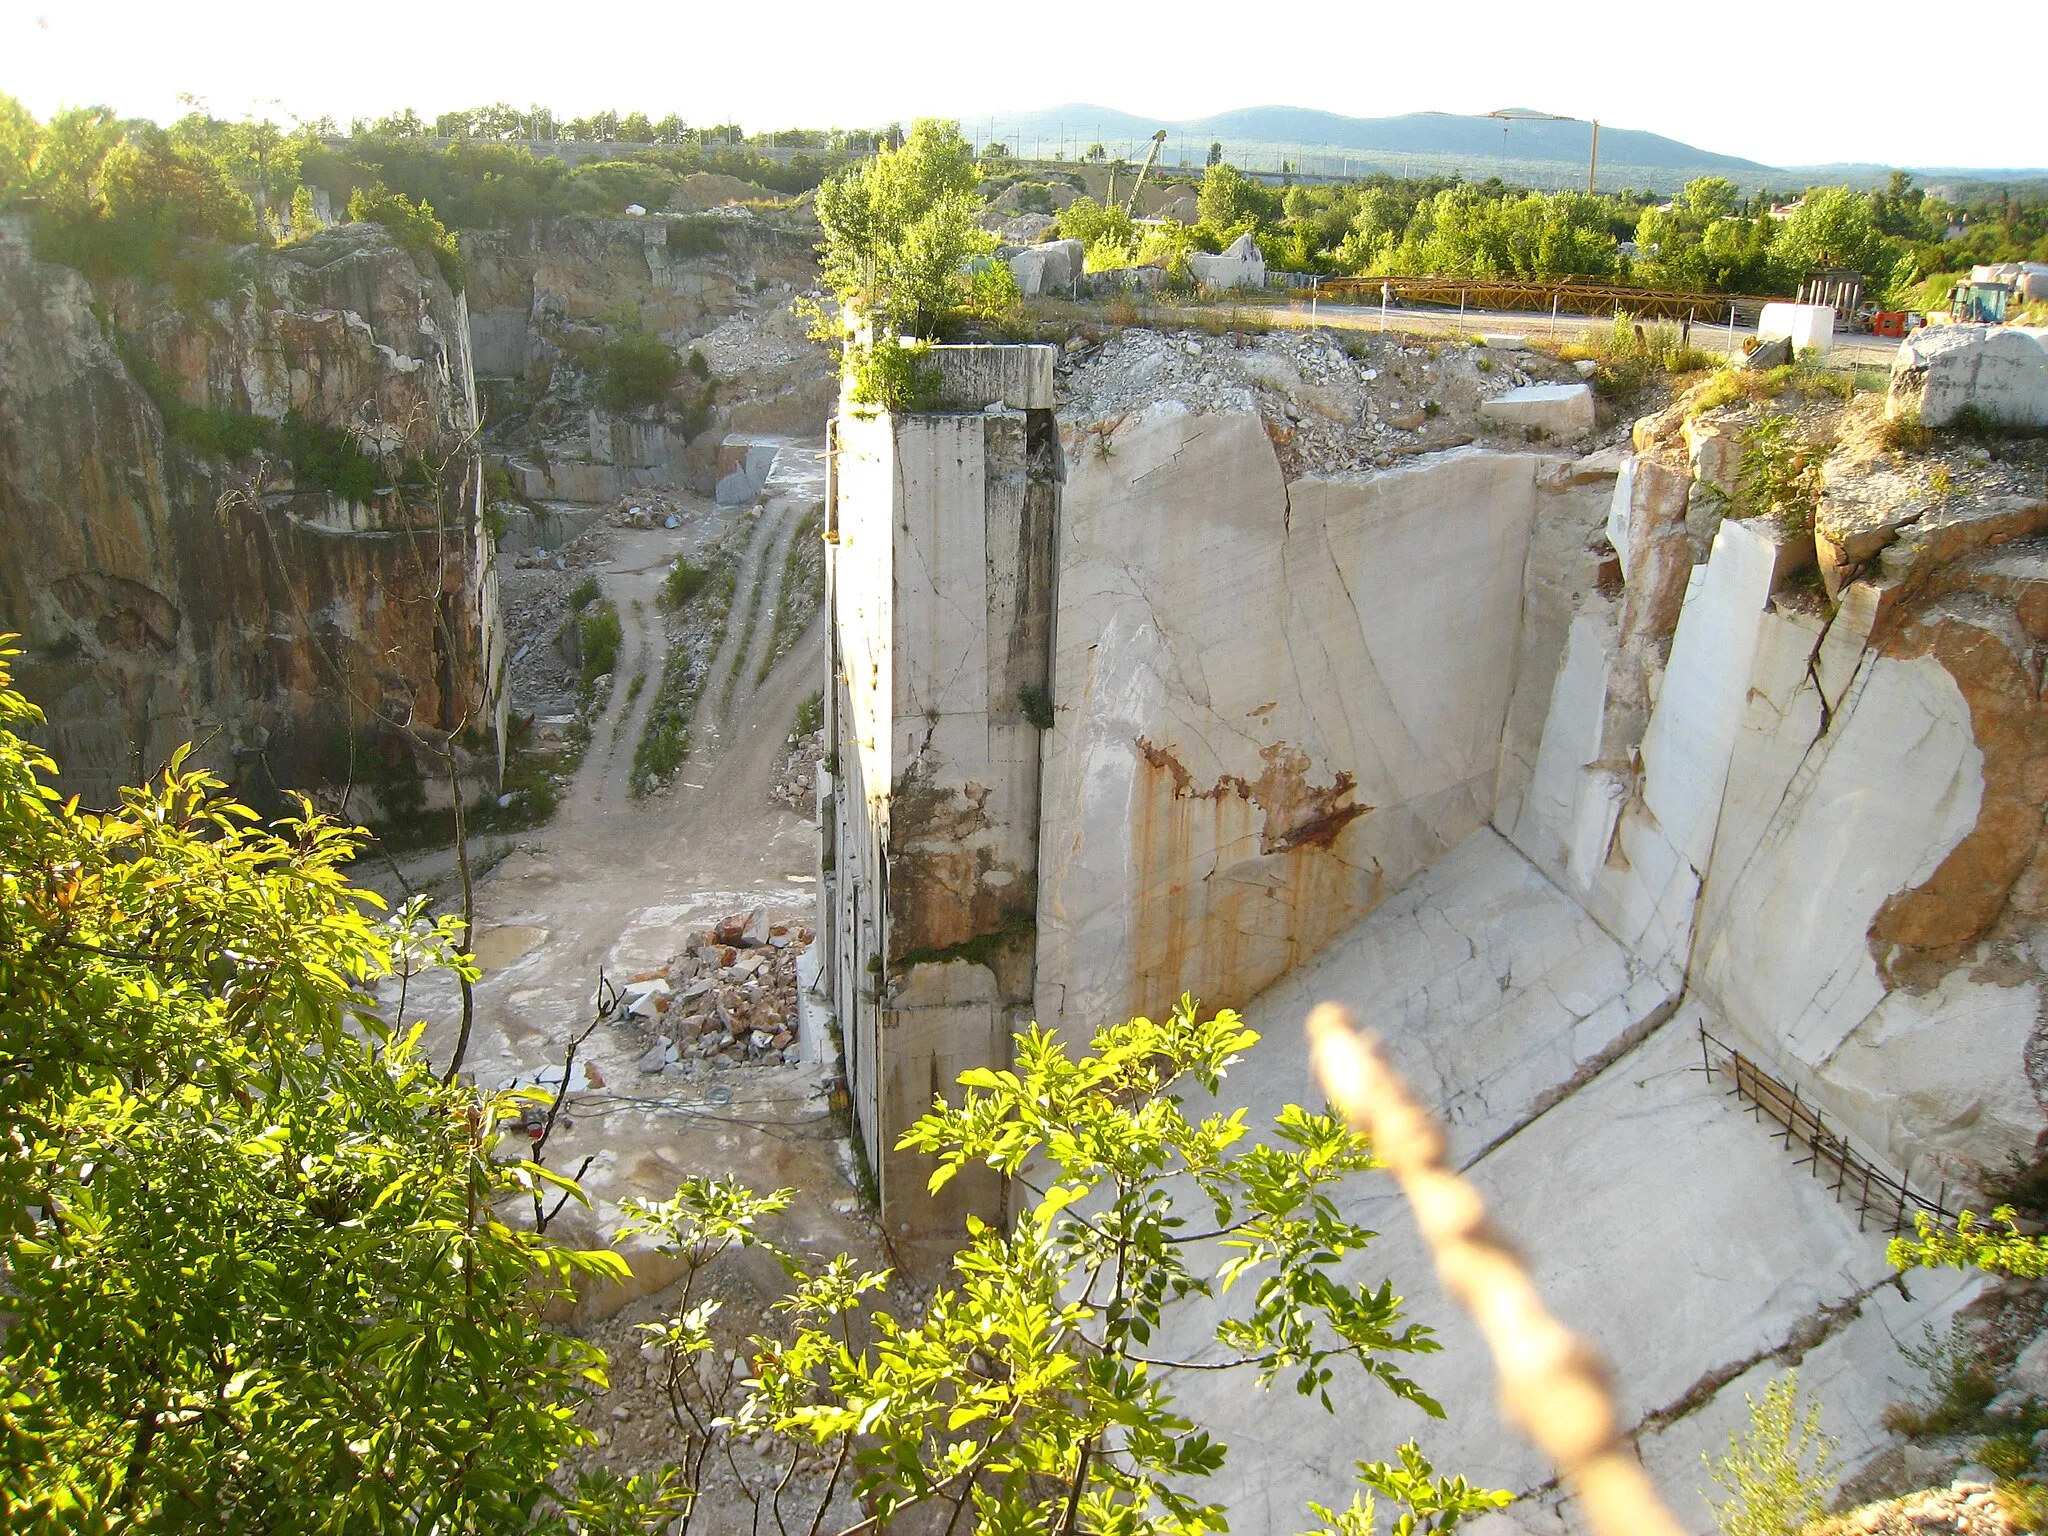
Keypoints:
pixel 864 599
pixel 1274 704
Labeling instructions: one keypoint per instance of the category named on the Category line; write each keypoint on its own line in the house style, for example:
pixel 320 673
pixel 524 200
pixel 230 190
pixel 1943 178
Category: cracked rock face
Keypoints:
pixel 1275 702
pixel 169 593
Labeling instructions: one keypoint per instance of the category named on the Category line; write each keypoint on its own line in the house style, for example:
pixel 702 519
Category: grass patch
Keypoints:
pixel 1628 355
pixel 599 633
pixel 1961 1381
pixel 801 594
pixel 584 593
pixel 810 714
pixel 683 582
pixel 665 740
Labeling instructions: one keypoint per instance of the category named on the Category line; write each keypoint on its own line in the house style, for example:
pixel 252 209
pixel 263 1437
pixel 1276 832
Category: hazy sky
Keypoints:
pixel 1709 75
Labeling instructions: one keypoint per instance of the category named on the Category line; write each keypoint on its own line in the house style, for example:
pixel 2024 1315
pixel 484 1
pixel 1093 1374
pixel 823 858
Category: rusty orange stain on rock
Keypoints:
pixel 1238 882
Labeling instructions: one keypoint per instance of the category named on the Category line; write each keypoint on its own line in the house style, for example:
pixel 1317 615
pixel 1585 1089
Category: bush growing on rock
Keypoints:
pixel 413 226
pixel 899 227
pixel 636 368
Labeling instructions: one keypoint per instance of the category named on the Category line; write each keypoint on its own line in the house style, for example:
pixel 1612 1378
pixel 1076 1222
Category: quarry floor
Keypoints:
pixel 616 885
pixel 1659 1218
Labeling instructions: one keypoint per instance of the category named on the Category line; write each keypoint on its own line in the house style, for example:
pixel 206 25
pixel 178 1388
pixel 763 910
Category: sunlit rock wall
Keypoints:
pixel 168 593
pixel 1273 703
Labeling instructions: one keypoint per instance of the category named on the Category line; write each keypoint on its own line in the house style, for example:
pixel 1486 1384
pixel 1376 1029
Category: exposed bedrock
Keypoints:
pixel 1275 702
pixel 546 296
pixel 1546 766
pixel 172 586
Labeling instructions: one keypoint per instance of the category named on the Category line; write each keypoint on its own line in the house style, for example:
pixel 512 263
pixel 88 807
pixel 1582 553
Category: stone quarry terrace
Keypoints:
pixel 1502 749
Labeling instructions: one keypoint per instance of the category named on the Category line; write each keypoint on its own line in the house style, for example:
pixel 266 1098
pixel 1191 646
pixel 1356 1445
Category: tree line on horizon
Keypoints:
pixel 117 195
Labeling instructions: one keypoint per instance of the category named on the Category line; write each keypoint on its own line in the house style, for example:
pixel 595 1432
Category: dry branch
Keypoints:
pixel 1553 1385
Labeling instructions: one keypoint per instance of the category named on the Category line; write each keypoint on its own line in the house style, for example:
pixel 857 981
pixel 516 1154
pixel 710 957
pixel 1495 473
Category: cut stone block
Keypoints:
pixel 1560 410
pixel 1999 371
pixel 1807 325
pixel 974 377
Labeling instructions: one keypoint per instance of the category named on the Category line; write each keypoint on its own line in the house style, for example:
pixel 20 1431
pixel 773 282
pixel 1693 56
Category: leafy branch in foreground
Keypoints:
pixel 1024 1398
pixel 1972 1245
pixel 259 1270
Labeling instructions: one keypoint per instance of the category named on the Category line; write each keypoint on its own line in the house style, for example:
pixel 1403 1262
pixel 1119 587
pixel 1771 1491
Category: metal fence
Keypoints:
pixel 1827 1151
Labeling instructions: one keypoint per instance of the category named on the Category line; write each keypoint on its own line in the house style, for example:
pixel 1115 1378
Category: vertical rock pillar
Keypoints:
pixel 942 528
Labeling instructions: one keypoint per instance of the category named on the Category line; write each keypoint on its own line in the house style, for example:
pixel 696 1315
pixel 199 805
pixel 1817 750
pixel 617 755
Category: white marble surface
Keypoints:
pixel 1491 987
pixel 1658 1219
pixel 1234 653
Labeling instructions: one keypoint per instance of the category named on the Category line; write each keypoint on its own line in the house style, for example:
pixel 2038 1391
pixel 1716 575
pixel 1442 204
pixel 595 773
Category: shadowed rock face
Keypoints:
pixel 168 592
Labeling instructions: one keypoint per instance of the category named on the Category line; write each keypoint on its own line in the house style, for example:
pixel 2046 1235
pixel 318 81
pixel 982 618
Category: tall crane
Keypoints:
pixel 1158 143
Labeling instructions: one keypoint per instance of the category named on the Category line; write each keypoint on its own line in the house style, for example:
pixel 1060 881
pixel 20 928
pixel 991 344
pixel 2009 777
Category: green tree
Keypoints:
pixel 1107 232
pixel 1777 1475
pixel 19 137
pixel 1706 198
pixel 1032 1391
pixel 1230 200
pixel 899 227
pixel 258 1274
pixel 1215 152
pixel 1833 227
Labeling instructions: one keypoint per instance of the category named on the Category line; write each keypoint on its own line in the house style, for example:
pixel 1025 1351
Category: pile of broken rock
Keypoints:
pixel 729 998
pixel 1967 1507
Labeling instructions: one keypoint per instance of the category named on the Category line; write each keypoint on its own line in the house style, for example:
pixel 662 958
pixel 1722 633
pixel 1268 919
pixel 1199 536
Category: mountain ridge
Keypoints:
pixel 1482 139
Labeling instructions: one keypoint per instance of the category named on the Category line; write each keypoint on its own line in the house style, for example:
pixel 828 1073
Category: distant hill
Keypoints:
pixel 1416 143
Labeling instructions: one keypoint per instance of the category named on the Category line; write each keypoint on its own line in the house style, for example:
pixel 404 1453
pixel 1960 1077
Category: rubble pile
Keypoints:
pixel 728 999
pixel 533 598
pixel 775 336
pixel 796 780
pixel 650 507
pixel 1331 409
pixel 1966 1507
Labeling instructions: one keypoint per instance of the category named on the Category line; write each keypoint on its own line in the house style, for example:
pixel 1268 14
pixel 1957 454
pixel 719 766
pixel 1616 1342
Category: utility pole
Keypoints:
pixel 1593 166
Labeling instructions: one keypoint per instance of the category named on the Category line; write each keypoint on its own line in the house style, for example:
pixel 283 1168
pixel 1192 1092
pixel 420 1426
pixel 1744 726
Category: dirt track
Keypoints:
pixel 616 884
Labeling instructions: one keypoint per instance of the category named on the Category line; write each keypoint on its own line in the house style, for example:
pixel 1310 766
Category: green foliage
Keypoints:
pixel 326 457
pixel 20 134
pixel 899 227
pixel 683 582
pixel 890 375
pixel 413 226
pixel 1100 229
pixel 1971 1245
pixel 1429 1503
pixel 635 368
pixel 810 714
pixel 584 593
pixel 1780 475
pixel 126 199
pixel 304 222
pixel 1962 1381
pixel 1628 354
pixel 1027 1391
pixel 993 296
pixel 257 1272
pixel 1777 1475
pixel 1833 227
pixel 1231 200
pixel 799 594
pixel 599 634
pixel 1035 704
pixel 665 739
pixel 701 236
